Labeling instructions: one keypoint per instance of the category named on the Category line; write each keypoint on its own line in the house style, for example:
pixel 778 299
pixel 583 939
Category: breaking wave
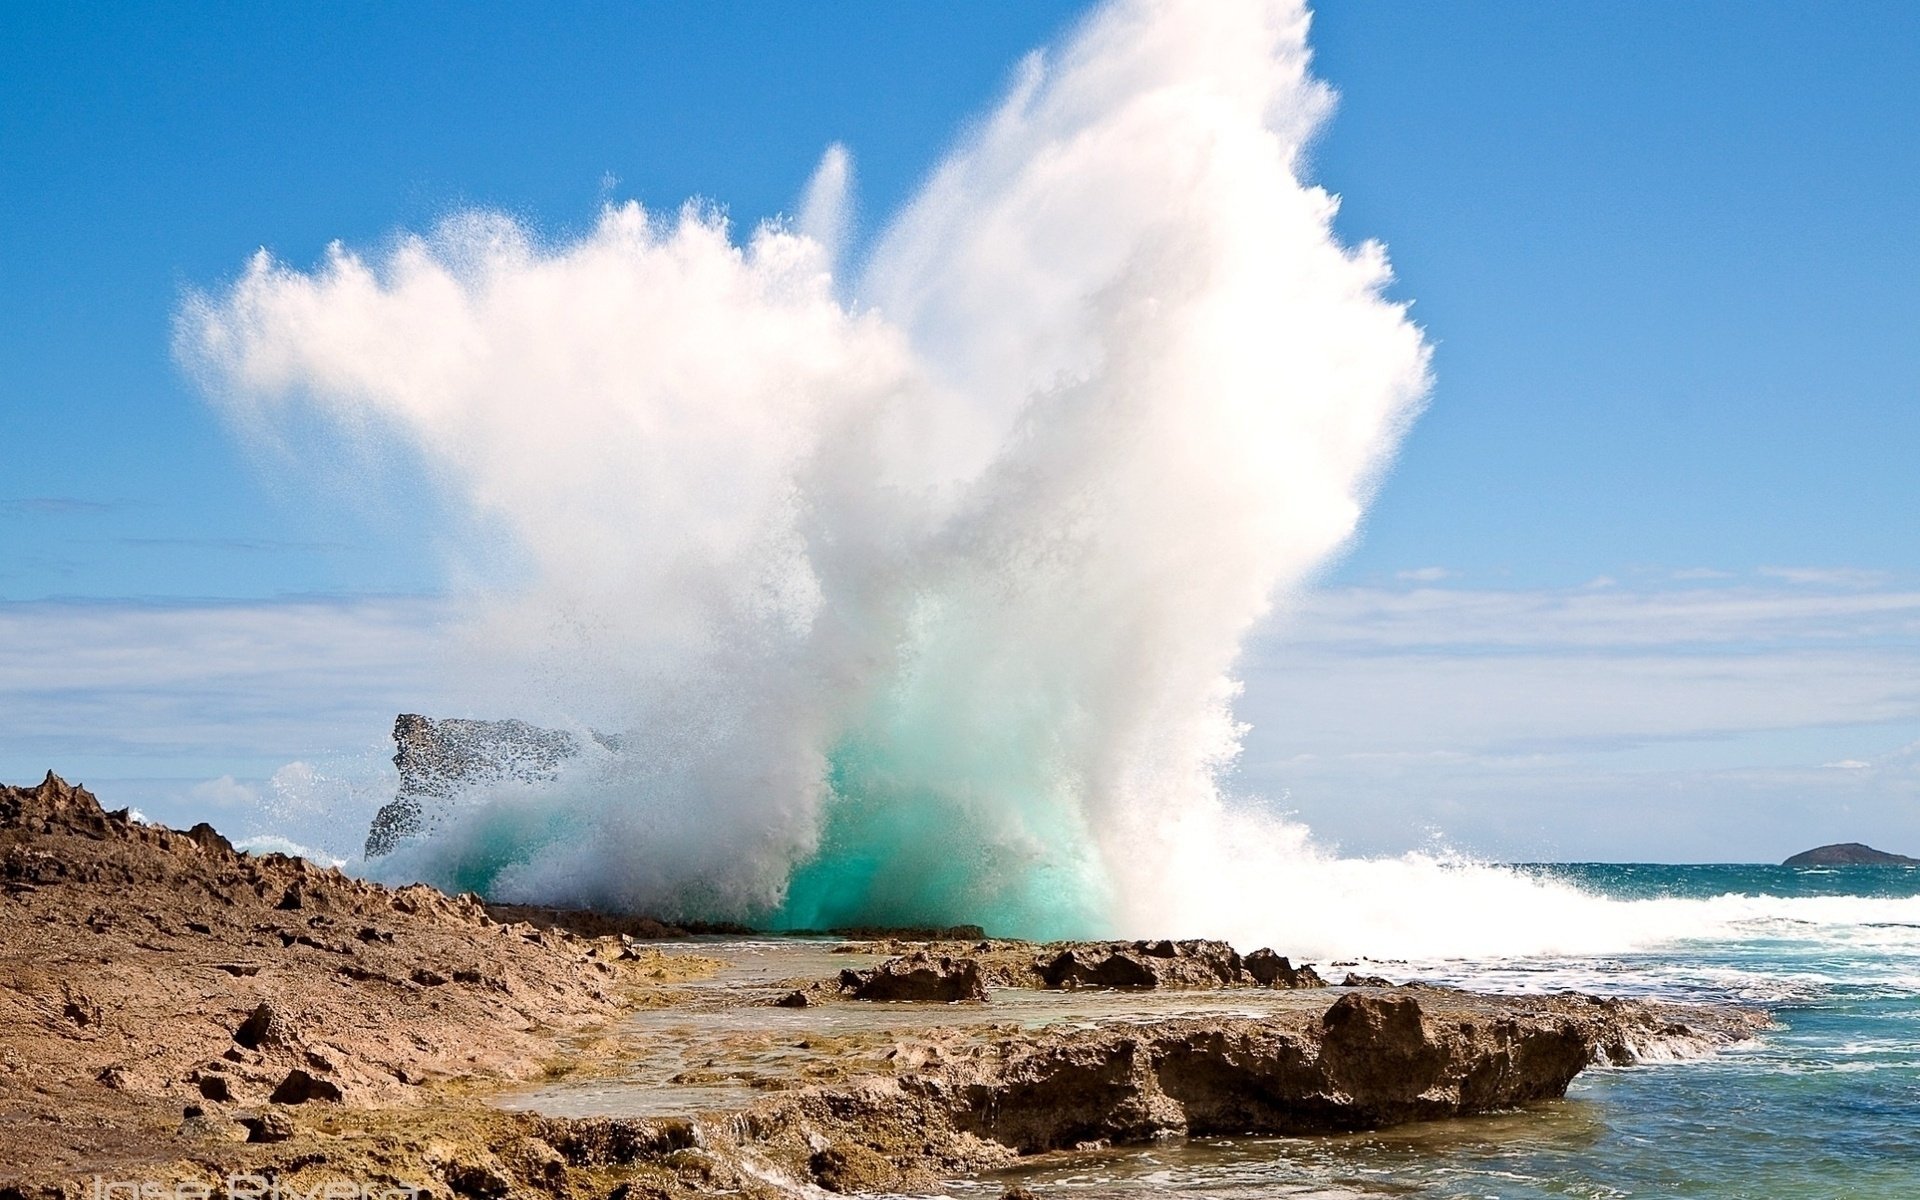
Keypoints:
pixel 913 583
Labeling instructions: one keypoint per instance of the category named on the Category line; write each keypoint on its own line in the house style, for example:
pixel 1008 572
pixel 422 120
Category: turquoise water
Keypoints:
pixel 1826 1106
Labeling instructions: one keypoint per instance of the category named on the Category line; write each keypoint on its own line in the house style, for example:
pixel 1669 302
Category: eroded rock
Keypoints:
pixel 920 976
pixel 1274 970
pixel 1193 963
pixel 299 1087
pixel 264 1026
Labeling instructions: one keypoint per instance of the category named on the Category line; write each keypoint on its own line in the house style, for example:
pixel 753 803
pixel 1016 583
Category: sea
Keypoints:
pixel 1825 1106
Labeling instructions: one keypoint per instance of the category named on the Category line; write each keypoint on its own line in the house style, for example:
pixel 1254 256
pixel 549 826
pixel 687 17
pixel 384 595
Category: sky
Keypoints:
pixel 1644 582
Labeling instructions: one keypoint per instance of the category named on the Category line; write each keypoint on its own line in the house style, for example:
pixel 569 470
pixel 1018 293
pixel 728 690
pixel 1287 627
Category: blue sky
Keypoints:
pixel 1656 529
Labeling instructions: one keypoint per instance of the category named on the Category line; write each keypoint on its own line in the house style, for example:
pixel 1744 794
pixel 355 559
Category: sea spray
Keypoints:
pixel 912 588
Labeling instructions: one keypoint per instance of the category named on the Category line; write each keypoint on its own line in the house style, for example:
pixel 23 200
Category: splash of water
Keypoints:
pixel 915 586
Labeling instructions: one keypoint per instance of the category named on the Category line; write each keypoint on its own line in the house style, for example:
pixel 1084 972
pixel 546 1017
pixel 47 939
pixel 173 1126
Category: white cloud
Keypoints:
pixel 1379 619
pixel 196 691
pixel 1698 574
pixel 1424 575
pixel 1844 577
pixel 1522 723
pixel 1682 722
pixel 224 792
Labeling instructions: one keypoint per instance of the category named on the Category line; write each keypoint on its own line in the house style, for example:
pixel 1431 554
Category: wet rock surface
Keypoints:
pixel 1163 965
pixel 920 976
pixel 175 1010
pixel 898 1113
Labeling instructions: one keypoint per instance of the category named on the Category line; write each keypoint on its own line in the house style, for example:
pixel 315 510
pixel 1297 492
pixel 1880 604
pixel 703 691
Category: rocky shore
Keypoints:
pixel 172 1010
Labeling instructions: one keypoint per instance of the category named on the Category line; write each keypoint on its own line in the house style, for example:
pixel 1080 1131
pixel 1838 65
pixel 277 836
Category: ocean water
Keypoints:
pixel 1826 1105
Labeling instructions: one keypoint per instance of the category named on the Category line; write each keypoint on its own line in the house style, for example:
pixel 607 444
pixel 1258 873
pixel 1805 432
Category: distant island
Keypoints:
pixel 1849 854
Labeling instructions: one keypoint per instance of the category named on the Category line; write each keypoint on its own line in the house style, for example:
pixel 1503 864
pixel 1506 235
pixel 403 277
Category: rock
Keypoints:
pixel 1145 964
pixel 899 1110
pixel 299 1087
pixel 1365 981
pixel 481 1179
pixel 53 802
pixel 1368 1061
pixel 918 976
pixel 1378 1052
pixel 1103 967
pixel 208 839
pixel 851 1167
pixel 794 999
pixel 1273 970
pixel 264 1026
pixel 135 956
pixel 1849 854
pixel 197 1126
pixel 267 1127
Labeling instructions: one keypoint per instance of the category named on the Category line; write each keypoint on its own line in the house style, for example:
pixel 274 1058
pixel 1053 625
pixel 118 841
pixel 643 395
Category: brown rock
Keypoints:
pixel 208 839
pixel 267 1127
pixel 299 1087
pixel 1273 970
pixel 851 1167
pixel 1194 963
pixel 919 976
pixel 485 1180
pixel 132 955
pixel 264 1026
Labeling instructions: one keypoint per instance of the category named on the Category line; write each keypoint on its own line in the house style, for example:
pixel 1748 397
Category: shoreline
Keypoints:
pixel 172 1009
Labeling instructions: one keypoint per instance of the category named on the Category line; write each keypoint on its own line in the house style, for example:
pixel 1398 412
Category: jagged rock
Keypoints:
pixel 1098 967
pixel 1196 962
pixel 137 955
pixel 208 838
pixel 919 976
pixel 264 1026
pixel 1273 970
